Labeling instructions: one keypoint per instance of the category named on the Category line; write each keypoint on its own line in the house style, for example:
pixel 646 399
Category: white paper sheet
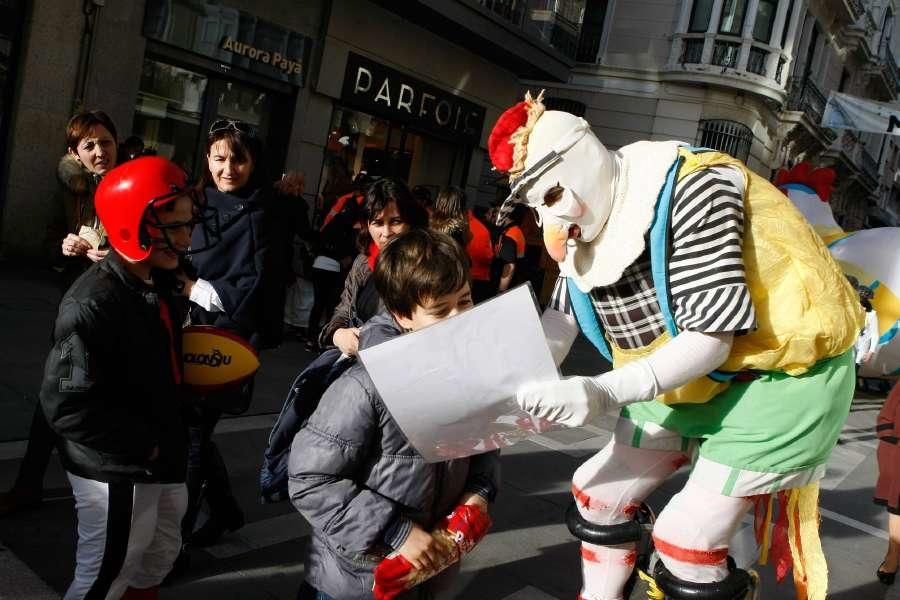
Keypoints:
pixel 451 386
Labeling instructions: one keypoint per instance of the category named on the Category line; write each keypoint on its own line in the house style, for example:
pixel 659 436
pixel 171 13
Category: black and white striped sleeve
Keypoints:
pixel 707 282
pixel 559 299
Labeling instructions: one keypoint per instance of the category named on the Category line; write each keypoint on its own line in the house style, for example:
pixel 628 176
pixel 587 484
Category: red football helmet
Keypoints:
pixel 128 196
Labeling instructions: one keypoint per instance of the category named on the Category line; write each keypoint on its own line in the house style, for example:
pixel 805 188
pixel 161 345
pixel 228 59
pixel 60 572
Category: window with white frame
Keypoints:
pixel 701 12
pixel 732 19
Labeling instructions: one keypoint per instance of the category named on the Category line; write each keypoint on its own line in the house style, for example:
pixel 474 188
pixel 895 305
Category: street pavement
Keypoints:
pixel 529 554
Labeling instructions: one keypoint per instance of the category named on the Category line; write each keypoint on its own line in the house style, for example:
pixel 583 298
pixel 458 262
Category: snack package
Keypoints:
pixel 95 237
pixel 457 534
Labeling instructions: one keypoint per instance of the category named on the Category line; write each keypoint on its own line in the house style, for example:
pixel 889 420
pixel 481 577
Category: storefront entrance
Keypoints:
pixel 360 142
pixel 177 105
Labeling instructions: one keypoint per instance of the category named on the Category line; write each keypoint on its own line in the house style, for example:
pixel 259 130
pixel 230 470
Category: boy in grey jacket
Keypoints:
pixel 353 474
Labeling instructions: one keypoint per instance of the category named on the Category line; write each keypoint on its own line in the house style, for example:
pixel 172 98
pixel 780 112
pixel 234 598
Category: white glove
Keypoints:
pixel 575 401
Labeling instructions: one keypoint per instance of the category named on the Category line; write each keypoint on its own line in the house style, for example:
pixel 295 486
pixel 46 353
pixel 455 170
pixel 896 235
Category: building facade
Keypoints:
pixel 750 77
pixel 334 87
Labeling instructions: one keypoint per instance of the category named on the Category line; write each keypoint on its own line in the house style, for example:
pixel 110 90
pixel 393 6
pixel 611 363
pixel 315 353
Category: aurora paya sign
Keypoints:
pixel 232 37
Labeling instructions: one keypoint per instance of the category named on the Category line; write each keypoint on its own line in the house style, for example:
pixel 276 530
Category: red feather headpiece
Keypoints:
pixel 820 180
pixel 508 142
pixel 499 146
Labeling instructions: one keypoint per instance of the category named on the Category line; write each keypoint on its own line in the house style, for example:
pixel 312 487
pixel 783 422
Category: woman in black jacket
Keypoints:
pixel 229 291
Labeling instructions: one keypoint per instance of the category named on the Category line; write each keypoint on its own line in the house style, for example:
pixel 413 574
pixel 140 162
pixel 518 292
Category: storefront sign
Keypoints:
pixel 388 93
pixel 230 36
pixel 285 64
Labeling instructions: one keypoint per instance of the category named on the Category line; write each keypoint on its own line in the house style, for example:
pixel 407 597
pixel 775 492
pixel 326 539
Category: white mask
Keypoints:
pixel 571 201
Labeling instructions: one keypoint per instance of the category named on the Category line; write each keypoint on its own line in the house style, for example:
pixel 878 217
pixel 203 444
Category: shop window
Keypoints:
pixel 732 19
pixel 12 15
pixel 169 111
pixel 700 15
pixel 360 142
pixel 730 137
pixel 765 18
pixel 176 106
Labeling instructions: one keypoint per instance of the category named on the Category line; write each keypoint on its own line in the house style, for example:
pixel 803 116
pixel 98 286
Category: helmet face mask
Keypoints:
pixel 203 216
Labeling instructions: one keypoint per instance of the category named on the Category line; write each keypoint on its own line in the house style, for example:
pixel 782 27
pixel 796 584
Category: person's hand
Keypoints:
pixel 96 255
pixel 475 500
pixel 420 549
pixel 347 340
pixel 154 454
pixel 571 402
pixel 74 245
pixel 867 357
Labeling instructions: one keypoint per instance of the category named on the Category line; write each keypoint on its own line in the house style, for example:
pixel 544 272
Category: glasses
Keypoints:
pixel 231 125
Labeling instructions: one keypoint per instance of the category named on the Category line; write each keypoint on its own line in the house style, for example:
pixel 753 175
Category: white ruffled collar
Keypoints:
pixel 643 167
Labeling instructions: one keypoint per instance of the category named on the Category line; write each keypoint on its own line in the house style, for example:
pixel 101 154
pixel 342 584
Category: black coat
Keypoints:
pixel 245 272
pixel 109 388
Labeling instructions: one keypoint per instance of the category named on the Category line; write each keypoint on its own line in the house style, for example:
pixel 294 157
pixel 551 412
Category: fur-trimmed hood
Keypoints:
pixel 74 177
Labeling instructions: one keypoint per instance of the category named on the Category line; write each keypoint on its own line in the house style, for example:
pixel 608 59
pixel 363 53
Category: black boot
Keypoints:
pixel 739 585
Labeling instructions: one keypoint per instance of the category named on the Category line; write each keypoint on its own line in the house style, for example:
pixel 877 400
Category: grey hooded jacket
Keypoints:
pixel 357 480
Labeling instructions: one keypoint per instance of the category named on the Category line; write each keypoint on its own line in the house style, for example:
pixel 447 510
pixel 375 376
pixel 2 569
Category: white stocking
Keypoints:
pixel 693 530
pixel 608 489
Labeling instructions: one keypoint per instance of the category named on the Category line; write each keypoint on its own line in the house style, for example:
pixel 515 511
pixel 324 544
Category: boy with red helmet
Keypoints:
pixel 110 386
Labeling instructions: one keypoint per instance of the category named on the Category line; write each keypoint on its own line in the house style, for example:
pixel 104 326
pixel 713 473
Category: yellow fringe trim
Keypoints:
pixel 653 591
pixel 764 549
pixel 519 138
pixel 810 568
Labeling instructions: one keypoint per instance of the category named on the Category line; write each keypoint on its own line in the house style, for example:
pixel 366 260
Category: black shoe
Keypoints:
pixel 215 527
pixel 885 577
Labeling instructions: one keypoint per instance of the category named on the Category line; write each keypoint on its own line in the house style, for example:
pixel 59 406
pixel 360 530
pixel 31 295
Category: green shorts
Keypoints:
pixel 758 436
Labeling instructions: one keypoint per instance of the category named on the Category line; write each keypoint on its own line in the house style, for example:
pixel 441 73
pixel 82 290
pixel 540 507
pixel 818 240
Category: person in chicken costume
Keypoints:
pixel 730 329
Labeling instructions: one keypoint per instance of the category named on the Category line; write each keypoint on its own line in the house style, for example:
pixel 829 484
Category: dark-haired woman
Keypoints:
pixel 227 292
pixel 389 210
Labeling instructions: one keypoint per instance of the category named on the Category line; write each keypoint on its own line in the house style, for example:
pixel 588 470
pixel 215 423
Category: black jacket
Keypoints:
pixel 109 389
pixel 241 267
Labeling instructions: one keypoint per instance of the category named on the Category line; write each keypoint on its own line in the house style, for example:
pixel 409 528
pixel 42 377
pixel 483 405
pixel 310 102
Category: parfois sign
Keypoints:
pixel 389 93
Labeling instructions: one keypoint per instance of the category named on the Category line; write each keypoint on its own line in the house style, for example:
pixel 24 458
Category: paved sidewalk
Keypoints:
pixel 529 554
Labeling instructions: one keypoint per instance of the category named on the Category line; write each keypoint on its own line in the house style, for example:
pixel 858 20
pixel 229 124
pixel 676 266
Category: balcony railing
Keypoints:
pixel 556 23
pixel 855 7
pixel 869 165
pixel 725 54
pixel 888 65
pixel 805 96
pixel 511 10
pixel 730 61
pixel 692 51
pixel 756 61
pixel 779 70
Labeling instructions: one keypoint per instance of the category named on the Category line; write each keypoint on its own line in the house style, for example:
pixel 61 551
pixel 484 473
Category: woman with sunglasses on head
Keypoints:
pixel 226 287
pixel 389 209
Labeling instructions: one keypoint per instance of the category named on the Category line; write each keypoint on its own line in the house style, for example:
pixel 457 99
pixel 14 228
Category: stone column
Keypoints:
pixel 747 34
pixel 778 28
pixel 684 19
pixel 711 31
